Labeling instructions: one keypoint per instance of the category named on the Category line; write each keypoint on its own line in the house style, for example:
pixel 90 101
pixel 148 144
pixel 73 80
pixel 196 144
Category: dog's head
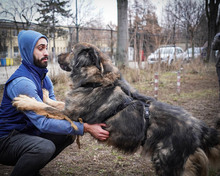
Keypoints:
pixel 85 55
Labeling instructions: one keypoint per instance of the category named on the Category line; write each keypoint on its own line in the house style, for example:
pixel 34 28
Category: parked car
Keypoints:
pixel 188 54
pixel 166 54
pixel 204 52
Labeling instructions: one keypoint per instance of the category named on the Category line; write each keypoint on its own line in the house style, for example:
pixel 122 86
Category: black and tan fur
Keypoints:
pixel 178 143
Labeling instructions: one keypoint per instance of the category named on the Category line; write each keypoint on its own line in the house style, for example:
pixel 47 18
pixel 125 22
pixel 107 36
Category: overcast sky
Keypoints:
pixel 109 9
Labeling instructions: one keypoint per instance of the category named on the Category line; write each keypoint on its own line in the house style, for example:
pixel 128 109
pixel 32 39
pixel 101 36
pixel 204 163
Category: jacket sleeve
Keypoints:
pixel 25 86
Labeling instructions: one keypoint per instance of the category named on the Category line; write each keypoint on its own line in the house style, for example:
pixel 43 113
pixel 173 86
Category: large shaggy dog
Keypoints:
pixel 177 143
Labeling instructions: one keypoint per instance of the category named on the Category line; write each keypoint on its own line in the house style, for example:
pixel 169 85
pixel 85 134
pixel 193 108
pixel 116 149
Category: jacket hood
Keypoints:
pixel 27 40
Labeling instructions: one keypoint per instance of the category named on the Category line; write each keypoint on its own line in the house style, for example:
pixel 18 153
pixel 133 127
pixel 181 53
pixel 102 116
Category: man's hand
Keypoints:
pixel 96 131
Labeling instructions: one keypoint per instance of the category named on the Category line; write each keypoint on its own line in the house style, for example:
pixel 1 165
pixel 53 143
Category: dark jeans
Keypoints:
pixel 29 153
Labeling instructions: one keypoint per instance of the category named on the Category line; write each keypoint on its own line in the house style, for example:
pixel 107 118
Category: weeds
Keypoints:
pixel 143 79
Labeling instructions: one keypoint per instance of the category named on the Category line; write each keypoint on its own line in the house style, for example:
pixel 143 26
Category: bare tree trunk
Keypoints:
pixel 122 39
pixel 192 41
pixel 141 50
pixel 135 44
pixel 212 8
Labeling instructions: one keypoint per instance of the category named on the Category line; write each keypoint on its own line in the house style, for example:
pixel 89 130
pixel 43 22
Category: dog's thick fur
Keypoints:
pixel 177 143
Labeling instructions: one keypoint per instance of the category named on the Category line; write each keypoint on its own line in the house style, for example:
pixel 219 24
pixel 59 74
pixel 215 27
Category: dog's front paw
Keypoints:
pixel 23 102
pixel 45 95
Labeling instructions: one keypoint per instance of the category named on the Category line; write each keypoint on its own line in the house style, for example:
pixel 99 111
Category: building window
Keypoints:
pixel 4 52
pixel 15 33
pixel 3 33
pixel 16 52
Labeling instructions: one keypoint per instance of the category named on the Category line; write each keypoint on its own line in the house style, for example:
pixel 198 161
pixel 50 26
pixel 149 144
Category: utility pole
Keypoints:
pixel 111 41
pixel 77 26
pixel 53 33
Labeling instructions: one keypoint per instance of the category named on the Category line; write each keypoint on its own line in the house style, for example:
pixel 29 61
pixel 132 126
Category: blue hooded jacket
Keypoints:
pixel 28 121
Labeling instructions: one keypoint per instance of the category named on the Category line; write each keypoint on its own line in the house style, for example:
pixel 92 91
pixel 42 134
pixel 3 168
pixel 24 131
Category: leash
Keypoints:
pixel 78 137
pixel 147 121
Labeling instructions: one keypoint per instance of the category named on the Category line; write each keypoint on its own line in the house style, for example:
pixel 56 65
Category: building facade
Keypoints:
pixel 9 30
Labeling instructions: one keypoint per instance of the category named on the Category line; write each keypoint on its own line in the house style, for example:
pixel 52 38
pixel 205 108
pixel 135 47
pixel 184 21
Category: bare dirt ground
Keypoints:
pixel 199 95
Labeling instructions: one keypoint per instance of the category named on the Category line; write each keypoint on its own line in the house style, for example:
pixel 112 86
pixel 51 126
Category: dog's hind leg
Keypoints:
pixel 214 157
pixel 197 164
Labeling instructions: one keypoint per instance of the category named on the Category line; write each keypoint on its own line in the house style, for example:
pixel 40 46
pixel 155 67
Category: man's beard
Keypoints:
pixel 40 63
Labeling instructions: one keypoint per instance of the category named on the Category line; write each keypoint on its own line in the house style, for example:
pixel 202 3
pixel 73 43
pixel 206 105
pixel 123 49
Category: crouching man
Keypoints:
pixel 29 141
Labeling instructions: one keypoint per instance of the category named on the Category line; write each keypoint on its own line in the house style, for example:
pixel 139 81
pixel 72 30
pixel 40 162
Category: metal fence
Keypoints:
pixel 141 43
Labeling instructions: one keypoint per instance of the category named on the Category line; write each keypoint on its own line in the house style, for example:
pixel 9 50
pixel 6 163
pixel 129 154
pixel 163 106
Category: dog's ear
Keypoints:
pixel 91 55
pixel 96 60
pixel 101 61
pixel 88 57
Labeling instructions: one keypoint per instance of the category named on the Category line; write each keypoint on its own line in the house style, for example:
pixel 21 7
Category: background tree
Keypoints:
pixel 3 46
pixel 187 15
pixel 213 16
pixel 84 15
pixel 143 27
pixel 21 14
pixel 19 11
pixel 51 12
pixel 122 35
pixel 171 22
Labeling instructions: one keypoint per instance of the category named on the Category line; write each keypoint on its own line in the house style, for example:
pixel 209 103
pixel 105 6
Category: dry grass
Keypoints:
pixel 143 79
